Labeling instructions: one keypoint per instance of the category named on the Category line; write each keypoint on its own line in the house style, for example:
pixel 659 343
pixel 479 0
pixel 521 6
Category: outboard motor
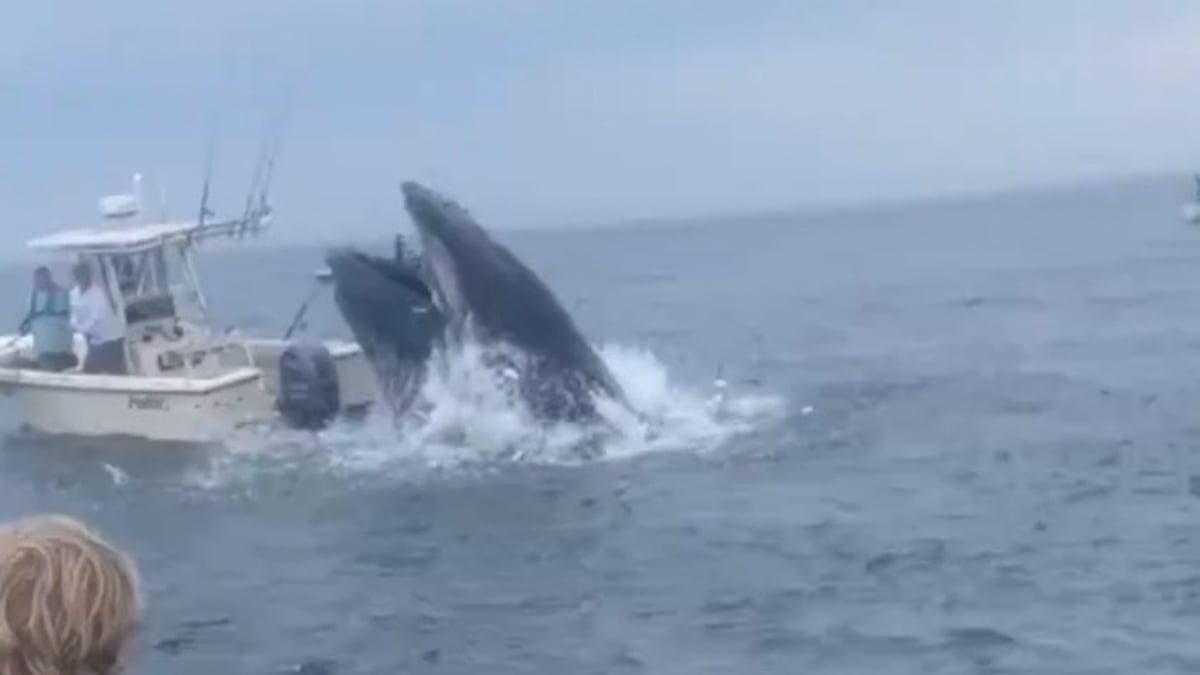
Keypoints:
pixel 308 387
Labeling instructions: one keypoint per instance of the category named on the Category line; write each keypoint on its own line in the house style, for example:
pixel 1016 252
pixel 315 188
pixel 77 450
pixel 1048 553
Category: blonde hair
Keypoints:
pixel 69 601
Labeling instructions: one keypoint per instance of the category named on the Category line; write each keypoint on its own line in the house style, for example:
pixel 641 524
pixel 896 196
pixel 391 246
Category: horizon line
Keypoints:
pixel 809 209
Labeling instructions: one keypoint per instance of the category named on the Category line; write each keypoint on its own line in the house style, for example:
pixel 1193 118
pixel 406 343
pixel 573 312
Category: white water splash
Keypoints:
pixel 118 475
pixel 469 416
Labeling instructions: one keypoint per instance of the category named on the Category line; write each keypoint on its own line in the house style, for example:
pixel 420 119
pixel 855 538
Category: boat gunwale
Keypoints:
pixel 337 348
pixel 17 378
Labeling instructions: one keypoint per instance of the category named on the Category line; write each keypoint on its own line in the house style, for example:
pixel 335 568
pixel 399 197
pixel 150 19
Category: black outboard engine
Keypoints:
pixel 308 387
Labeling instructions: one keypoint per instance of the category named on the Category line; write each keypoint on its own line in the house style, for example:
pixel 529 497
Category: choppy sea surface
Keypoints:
pixel 955 437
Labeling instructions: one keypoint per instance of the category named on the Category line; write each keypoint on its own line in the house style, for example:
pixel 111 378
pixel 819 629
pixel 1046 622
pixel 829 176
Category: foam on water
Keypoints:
pixel 468 417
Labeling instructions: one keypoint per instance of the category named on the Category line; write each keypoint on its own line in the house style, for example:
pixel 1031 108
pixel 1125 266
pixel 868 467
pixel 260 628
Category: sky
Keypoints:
pixel 548 113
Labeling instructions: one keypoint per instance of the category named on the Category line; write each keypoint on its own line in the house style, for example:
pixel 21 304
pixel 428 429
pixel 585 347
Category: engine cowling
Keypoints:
pixel 308 387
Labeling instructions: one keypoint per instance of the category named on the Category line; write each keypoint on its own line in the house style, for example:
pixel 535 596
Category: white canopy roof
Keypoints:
pixel 130 238
pixel 113 239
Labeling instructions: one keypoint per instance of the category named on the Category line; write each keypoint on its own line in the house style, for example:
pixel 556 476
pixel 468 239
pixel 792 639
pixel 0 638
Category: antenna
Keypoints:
pixel 162 199
pixel 137 193
pixel 206 186
pixel 258 208
pixel 204 210
pixel 250 211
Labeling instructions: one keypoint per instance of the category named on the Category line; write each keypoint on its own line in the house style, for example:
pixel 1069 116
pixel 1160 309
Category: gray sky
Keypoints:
pixel 558 112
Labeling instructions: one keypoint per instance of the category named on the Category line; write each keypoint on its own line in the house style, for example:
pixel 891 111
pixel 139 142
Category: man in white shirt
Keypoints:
pixel 92 316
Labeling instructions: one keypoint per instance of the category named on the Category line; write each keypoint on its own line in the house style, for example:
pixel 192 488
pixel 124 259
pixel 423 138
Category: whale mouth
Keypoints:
pixel 433 217
pixel 443 277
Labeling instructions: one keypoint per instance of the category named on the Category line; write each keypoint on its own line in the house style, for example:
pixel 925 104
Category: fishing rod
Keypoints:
pixel 20 334
pixel 322 277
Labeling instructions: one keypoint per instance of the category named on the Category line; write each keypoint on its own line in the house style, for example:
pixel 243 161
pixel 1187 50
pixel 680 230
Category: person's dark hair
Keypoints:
pixel 42 279
pixel 82 272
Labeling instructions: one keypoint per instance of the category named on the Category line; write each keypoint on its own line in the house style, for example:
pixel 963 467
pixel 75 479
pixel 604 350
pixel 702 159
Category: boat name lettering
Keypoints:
pixel 147 402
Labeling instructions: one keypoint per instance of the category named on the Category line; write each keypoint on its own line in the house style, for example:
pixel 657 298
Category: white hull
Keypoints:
pixel 170 409
pixel 89 405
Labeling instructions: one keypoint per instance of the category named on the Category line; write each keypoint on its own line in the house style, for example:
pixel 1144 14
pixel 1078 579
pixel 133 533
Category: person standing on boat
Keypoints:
pixel 92 316
pixel 49 320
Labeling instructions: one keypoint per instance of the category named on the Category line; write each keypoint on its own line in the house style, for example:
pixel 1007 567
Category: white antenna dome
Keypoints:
pixel 120 207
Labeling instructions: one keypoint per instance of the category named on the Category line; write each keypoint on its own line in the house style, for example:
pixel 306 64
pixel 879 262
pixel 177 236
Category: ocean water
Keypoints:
pixel 956 437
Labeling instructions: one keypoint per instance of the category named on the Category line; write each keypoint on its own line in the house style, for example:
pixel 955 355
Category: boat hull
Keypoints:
pixel 170 409
pixel 195 411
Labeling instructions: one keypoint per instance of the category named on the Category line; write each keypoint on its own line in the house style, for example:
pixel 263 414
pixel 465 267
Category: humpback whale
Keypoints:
pixel 487 294
pixel 391 312
pixel 468 287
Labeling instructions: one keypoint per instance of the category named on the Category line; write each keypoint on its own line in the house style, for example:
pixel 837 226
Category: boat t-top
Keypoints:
pixel 184 381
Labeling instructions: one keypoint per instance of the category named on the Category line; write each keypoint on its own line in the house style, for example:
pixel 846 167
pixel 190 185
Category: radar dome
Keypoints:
pixel 119 206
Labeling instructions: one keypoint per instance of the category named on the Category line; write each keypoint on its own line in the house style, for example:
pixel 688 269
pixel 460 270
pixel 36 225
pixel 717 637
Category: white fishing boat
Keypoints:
pixel 185 380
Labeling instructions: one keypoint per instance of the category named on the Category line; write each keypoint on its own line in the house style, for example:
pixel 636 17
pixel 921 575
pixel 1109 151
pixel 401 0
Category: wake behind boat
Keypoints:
pixel 184 381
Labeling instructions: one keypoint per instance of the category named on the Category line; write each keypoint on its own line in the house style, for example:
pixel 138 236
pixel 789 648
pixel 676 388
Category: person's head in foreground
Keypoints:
pixel 69 601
